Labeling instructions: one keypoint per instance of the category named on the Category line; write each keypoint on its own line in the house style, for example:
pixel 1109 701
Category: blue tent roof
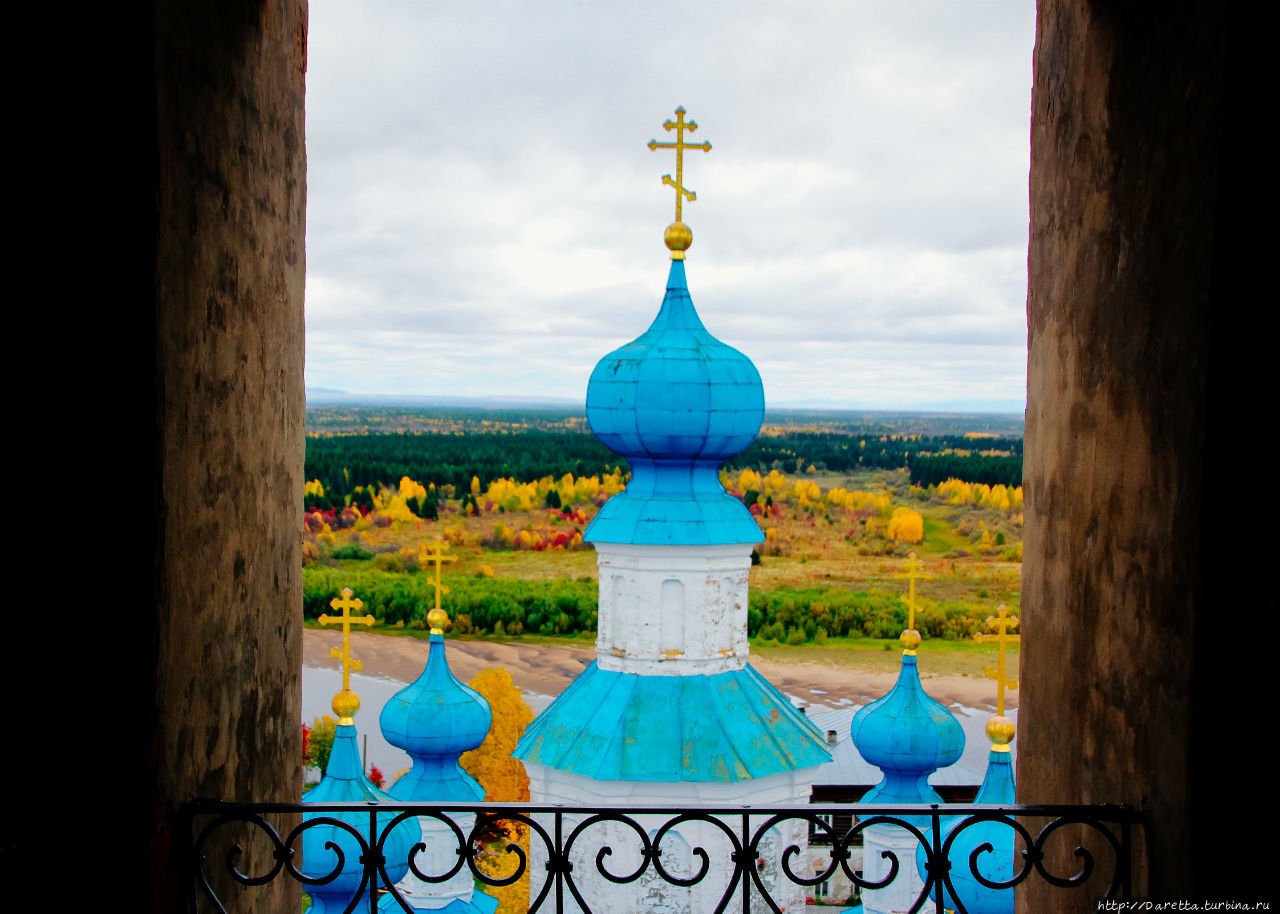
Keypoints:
pixel 675 402
pixel 728 727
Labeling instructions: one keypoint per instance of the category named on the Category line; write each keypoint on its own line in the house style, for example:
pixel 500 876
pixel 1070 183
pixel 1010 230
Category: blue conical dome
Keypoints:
pixel 344 781
pixel 435 719
pixel 908 736
pixel 676 402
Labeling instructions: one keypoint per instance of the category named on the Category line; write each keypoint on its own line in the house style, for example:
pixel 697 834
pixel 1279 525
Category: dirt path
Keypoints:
pixel 548 669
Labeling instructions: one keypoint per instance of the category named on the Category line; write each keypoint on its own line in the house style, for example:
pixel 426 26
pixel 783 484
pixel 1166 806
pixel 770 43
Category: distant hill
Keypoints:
pixel 949 407
pixel 336 412
pixel 324 396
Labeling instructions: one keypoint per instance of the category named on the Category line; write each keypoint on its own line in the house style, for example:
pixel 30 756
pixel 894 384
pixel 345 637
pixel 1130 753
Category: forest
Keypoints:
pixel 347 449
pixel 840 505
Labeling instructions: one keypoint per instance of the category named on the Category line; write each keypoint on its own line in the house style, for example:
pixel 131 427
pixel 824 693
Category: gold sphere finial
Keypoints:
pixel 437 619
pixel 345 704
pixel 910 640
pixel 678 237
pixel 1000 730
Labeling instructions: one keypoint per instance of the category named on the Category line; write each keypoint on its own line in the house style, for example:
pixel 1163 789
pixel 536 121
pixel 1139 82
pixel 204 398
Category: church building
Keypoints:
pixel 1140 367
pixel 670 711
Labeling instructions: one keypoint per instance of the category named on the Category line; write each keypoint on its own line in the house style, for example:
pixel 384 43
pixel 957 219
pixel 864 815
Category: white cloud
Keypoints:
pixel 484 216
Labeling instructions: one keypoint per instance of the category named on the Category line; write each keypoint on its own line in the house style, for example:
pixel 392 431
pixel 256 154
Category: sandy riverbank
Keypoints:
pixel 548 669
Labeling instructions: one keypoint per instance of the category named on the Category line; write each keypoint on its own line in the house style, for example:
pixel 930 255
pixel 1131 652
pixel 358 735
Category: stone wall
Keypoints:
pixel 1128 258
pixel 230 186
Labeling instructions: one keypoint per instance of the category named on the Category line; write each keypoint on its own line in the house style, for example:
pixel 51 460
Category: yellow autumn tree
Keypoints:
pixel 397 508
pixel 504 780
pixel 906 526
pixel 410 489
pixel 501 776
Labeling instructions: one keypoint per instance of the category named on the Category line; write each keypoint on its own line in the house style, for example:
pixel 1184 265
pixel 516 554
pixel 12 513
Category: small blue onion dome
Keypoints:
pixel 995 865
pixel 908 736
pixel 344 781
pixel 435 719
pixel 676 402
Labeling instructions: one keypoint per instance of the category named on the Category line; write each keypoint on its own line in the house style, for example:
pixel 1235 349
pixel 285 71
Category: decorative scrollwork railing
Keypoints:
pixel 739 858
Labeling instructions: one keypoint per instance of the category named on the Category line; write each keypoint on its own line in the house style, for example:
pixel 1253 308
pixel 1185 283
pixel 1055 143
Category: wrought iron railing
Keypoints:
pixel 567 846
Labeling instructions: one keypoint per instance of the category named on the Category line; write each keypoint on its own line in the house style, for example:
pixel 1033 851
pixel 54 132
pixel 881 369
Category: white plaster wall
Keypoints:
pixel 899 895
pixel 650 893
pixel 673 610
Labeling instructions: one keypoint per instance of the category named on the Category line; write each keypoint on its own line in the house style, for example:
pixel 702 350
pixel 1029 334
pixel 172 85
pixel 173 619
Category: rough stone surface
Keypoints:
pixel 1124 167
pixel 229 408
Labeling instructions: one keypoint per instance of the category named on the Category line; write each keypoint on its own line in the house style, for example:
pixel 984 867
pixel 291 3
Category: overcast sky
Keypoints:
pixel 484 216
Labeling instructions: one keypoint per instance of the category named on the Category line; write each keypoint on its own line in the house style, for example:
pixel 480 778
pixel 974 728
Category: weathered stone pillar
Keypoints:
pixel 230 194
pixel 1127 693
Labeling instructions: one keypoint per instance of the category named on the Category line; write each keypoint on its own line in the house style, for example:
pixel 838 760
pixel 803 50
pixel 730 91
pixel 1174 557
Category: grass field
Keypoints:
pixel 814 543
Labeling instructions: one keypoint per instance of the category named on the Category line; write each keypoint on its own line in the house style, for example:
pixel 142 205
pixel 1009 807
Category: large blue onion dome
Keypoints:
pixel 996 864
pixel 908 736
pixel 344 781
pixel 435 719
pixel 676 402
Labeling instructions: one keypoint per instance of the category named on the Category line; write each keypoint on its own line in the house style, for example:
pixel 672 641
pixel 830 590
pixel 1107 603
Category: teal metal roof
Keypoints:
pixel 728 727
pixel 676 402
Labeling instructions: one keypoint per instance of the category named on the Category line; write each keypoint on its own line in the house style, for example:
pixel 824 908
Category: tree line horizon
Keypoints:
pixel 348 448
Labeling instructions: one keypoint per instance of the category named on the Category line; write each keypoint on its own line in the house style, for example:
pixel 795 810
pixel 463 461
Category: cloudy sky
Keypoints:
pixel 484 216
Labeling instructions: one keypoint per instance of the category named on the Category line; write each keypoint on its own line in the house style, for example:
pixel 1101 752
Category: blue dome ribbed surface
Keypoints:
pixel 676 402
pixel 344 781
pixel 435 719
pixel 995 865
pixel 908 736
pixel 730 726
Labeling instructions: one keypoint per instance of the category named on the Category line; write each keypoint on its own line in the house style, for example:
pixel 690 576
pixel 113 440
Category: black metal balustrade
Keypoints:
pixel 218 831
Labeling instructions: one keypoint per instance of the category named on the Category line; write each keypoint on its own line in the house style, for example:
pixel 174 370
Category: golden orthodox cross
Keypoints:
pixel 1003 622
pixel 346 604
pixel 436 555
pixel 912 574
pixel 679 126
